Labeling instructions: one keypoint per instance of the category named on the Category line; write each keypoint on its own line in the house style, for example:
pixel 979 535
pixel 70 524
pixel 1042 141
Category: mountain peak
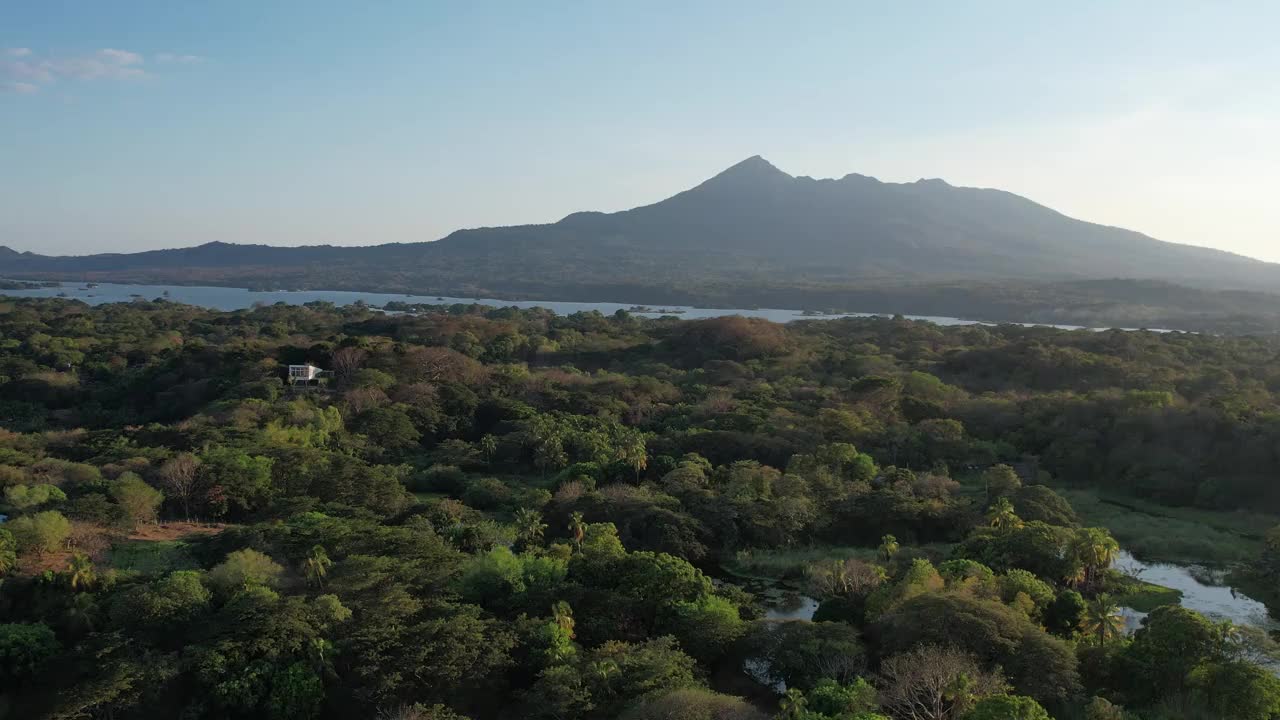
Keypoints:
pixel 754 172
pixel 933 182
pixel 753 167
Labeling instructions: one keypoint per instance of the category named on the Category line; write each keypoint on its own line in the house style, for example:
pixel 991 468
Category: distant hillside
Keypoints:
pixel 750 235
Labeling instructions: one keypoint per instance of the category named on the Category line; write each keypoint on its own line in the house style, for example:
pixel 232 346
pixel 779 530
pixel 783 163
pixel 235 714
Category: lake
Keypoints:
pixel 225 298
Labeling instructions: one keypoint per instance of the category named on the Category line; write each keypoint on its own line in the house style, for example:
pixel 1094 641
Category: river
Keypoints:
pixel 225 298
pixel 1215 601
pixel 783 603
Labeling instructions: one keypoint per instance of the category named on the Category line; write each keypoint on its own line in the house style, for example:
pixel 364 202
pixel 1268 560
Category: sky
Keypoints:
pixel 130 125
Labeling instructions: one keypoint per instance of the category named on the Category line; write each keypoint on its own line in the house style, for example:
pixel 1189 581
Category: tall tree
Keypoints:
pixel 529 527
pixel 1001 515
pixel 1094 551
pixel 1102 619
pixel 792 706
pixel 346 361
pixel 139 500
pixel 316 566
pixel 562 616
pixel 888 547
pixel 1000 481
pixel 179 478
pixel 80 573
pixel 577 529
pixel 934 683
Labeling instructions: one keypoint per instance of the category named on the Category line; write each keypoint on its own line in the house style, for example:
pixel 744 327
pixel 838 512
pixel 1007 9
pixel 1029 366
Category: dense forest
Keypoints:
pixel 493 513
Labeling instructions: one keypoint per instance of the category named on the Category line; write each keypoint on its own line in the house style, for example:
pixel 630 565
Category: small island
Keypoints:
pixel 645 309
pixel 27 284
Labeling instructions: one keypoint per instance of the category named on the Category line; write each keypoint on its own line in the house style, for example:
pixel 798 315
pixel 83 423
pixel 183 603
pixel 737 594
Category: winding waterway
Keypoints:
pixel 1215 601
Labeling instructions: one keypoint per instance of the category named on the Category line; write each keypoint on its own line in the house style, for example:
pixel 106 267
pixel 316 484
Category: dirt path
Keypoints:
pixel 175 530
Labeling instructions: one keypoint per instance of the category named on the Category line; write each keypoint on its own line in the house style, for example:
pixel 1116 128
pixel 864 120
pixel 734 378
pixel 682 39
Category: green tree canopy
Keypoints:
pixel 1007 707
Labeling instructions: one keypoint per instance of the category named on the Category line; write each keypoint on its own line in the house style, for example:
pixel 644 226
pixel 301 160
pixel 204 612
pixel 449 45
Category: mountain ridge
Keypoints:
pixel 748 176
pixel 750 233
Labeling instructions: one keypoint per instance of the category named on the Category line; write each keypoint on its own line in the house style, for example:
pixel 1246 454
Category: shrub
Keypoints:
pixel 24 649
pixel 245 568
pixel 694 704
pixel 42 532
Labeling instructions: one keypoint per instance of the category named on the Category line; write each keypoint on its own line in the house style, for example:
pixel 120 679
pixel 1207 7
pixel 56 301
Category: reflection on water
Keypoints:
pixel 758 669
pixel 1215 601
pixel 781 603
pixel 792 607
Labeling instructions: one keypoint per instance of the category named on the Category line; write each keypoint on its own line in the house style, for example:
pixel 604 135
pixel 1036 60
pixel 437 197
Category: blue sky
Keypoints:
pixel 136 125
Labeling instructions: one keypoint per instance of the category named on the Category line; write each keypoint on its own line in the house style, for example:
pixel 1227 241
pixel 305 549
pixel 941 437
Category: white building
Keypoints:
pixel 303 373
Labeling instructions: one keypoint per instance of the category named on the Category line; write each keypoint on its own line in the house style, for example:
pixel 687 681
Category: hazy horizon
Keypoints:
pixel 148 126
pixel 339 244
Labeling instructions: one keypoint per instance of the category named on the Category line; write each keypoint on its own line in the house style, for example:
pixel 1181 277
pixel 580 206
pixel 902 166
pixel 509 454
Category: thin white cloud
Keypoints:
pixel 177 59
pixel 21 88
pixel 22 70
pixel 107 63
pixel 120 57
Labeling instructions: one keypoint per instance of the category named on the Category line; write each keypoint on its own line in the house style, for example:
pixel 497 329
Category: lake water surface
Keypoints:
pixel 224 298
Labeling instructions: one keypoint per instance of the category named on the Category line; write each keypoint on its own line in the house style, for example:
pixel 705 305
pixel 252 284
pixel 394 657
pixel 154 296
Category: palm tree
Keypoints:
pixel 488 447
pixel 529 526
pixel 81 612
pixel 633 453
pixel 550 454
pixel 605 670
pixel 888 547
pixel 792 705
pixel 1075 573
pixel 80 571
pixel 578 529
pixel 316 566
pixel 1094 550
pixel 1102 619
pixel 562 615
pixel 1002 516
pixel 319 652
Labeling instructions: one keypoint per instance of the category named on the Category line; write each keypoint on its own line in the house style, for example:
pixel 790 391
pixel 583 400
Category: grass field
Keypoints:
pixel 1169 534
pixel 151 557
pixel 1139 594
pixel 790 563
